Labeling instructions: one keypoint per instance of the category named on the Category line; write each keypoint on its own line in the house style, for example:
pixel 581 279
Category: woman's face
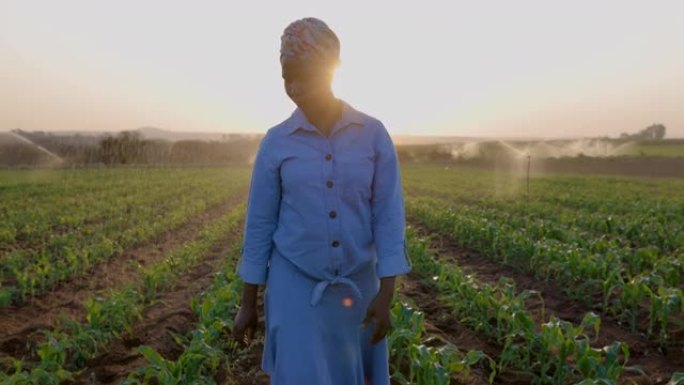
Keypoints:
pixel 305 83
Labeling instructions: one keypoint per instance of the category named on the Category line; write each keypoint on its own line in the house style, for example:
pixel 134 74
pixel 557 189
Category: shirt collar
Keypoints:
pixel 349 116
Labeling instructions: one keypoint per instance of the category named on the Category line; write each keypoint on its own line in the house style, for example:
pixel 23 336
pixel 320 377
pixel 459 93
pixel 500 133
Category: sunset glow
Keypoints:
pixel 513 69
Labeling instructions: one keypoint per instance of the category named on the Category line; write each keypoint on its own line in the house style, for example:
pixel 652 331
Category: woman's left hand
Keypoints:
pixel 379 310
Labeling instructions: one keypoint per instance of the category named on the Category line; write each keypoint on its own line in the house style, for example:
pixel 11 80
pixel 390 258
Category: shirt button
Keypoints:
pixel 333 214
pixel 328 157
pixel 335 243
pixel 329 184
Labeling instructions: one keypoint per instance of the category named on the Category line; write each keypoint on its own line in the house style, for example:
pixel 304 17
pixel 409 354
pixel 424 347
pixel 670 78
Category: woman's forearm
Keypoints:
pixel 249 295
pixel 387 287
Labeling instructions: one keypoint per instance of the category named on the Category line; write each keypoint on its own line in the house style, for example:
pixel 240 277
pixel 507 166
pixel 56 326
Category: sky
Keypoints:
pixel 464 68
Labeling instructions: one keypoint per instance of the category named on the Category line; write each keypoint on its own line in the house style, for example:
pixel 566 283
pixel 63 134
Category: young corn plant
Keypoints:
pixel 414 358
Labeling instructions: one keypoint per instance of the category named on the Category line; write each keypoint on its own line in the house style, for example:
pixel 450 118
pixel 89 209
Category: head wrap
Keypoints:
pixel 310 40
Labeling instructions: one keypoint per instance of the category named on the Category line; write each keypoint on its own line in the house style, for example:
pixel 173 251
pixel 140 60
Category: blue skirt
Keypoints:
pixel 322 343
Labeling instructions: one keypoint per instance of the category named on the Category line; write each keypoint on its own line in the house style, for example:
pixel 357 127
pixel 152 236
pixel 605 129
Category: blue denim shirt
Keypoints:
pixel 330 205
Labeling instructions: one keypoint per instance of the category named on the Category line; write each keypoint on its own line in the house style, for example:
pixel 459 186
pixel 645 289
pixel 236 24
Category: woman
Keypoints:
pixel 324 229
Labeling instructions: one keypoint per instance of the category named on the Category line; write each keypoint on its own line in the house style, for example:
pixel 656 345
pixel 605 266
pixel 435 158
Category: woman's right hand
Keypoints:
pixel 245 324
pixel 247 317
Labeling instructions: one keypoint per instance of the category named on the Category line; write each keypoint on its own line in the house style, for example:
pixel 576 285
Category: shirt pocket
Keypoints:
pixel 356 172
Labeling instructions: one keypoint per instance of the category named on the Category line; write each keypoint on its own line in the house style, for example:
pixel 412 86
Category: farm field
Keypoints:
pixel 668 148
pixel 127 276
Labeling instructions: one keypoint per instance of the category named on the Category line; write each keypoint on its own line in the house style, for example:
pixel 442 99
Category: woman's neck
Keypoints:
pixel 324 115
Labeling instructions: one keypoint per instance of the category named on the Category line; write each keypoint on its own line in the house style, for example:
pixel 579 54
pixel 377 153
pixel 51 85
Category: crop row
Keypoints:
pixel 647 222
pixel 68 199
pixel 596 235
pixel 70 345
pixel 556 352
pixel 584 194
pixel 156 200
pixel 28 273
pixel 29 225
pixel 588 272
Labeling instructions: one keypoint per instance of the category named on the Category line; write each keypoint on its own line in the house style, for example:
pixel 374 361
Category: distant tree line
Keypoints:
pixel 423 153
pixel 652 132
pixel 126 148
pixel 130 148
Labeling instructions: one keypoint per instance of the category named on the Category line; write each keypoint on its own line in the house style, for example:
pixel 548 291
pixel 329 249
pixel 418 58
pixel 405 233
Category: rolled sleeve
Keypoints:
pixel 387 205
pixel 261 220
